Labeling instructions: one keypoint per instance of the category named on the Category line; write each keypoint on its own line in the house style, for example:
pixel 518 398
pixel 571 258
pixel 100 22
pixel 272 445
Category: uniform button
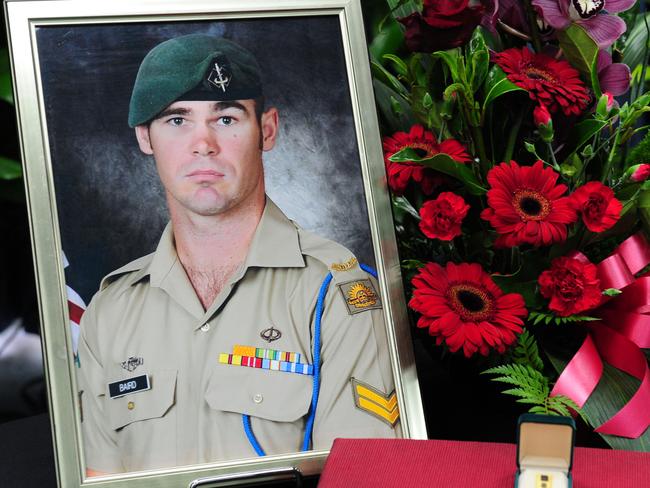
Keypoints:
pixel 258 398
pixel 205 327
pixel 130 405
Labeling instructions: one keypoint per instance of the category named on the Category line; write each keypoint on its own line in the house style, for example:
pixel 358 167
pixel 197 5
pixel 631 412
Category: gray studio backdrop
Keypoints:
pixel 110 202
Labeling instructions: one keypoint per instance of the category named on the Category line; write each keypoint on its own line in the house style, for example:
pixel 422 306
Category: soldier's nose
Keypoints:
pixel 205 144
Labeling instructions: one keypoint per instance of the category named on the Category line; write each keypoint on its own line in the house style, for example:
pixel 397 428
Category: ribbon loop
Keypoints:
pixel 616 339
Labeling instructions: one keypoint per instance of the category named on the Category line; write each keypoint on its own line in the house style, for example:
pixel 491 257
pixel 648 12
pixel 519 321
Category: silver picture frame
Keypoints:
pixel 25 19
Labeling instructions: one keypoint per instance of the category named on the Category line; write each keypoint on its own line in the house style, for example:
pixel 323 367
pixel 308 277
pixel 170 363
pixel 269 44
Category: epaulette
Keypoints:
pixel 138 267
pixel 358 289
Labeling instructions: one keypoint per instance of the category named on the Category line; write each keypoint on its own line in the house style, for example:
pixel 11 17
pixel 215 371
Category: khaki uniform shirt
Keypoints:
pixel 147 320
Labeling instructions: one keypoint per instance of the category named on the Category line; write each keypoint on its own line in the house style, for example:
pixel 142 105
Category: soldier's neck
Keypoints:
pixel 212 249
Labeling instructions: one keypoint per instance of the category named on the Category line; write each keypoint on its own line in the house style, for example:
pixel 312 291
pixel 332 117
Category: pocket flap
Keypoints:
pixel 143 405
pixel 271 395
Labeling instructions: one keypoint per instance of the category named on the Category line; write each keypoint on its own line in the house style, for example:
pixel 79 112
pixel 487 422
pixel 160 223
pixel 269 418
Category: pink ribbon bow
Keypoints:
pixel 617 339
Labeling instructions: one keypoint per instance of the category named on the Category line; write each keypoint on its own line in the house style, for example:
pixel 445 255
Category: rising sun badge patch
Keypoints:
pixel 359 296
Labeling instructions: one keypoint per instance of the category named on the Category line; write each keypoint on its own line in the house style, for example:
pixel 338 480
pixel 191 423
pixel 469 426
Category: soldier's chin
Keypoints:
pixel 211 207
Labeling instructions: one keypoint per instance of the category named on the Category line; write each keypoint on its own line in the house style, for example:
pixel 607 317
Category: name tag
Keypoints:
pixel 130 385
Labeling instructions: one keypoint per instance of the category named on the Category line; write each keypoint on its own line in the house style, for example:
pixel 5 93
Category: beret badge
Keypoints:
pixel 219 74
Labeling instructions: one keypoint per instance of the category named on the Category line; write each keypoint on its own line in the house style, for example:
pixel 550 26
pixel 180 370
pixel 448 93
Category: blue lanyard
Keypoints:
pixel 316 381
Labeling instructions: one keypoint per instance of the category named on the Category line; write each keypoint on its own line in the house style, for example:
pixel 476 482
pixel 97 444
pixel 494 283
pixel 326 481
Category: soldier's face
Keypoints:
pixel 209 154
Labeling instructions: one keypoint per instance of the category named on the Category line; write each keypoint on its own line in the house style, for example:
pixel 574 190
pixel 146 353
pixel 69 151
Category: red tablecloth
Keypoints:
pixel 408 463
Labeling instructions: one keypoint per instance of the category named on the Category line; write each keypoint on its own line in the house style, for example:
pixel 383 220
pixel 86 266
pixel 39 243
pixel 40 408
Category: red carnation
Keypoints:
pixel 541 116
pixel 599 208
pixel 556 84
pixel 640 173
pixel 463 307
pixel 426 145
pixel 572 286
pixel 543 122
pixel 442 25
pixel 526 206
pixel 441 218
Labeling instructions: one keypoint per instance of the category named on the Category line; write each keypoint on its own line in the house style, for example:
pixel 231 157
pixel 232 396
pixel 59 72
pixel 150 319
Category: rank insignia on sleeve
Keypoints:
pixel 375 402
pixel 359 296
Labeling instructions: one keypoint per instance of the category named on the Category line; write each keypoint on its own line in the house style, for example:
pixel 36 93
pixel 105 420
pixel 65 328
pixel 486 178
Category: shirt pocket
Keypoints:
pixel 271 395
pixel 143 405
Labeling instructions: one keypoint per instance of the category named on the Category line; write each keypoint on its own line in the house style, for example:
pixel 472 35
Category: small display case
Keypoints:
pixel 544 451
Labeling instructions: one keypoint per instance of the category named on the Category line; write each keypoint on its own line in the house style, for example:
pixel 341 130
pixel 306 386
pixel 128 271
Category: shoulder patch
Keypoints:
pixel 375 402
pixel 324 250
pixel 359 295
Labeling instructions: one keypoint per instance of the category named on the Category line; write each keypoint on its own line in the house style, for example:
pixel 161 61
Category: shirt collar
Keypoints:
pixel 164 258
pixel 275 244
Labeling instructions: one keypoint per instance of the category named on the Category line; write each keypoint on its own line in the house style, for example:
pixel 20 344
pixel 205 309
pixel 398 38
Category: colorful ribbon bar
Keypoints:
pixel 263 363
pixel 292 357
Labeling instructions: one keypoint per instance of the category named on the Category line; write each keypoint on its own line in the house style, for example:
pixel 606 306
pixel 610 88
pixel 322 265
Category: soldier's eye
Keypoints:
pixel 226 120
pixel 176 121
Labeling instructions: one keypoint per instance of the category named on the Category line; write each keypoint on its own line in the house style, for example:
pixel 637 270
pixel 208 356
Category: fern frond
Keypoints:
pixel 547 318
pixel 531 386
pixel 527 352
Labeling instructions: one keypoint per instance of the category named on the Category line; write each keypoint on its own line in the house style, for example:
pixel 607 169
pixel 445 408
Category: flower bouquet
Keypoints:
pixel 518 160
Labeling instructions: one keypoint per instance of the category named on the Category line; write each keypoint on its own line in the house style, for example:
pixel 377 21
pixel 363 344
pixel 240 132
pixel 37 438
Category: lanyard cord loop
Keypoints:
pixel 309 426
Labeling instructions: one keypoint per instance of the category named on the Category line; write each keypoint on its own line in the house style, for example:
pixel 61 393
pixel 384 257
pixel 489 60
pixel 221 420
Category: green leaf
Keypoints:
pixel 593 76
pixel 445 164
pixel 644 199
pixel 388 40
pixel 387 99
pixel 451 60
pixel 614 390
pixel 635 45
pixel 411 264
pixel 579 49
pixel 497 84
pixel 402 204
pixel 479 60
pixel 403 8
pixel 400 65
pixel 396 107
pixel 388 78
pixel 10 169
pixel 427 101
pixel 612 292
pixel 585 130
pixel 6 93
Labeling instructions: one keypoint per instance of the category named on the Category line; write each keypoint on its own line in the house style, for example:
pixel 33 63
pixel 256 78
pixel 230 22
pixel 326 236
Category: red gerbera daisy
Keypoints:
pixel 548 81
pixel 526 206
pixel 427 146
pixel 463 307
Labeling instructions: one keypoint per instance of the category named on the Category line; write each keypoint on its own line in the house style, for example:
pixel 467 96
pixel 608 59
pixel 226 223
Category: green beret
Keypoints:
pixel 193 67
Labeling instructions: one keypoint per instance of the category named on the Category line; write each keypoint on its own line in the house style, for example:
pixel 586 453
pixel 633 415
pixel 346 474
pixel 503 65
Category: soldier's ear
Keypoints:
pixel 144 141
pixel 269 125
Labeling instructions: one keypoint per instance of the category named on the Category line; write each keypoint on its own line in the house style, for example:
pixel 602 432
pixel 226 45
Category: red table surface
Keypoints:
pixel 411 463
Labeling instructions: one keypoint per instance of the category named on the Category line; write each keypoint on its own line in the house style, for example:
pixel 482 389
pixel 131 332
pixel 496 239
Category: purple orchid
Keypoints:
pixel 592 15
pixel 614 78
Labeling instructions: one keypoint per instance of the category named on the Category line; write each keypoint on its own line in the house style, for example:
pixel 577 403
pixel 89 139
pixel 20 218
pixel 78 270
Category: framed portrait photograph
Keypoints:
pixel 218 276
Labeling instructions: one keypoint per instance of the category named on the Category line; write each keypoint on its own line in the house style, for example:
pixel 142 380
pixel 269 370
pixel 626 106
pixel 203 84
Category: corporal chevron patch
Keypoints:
pixel 375 402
